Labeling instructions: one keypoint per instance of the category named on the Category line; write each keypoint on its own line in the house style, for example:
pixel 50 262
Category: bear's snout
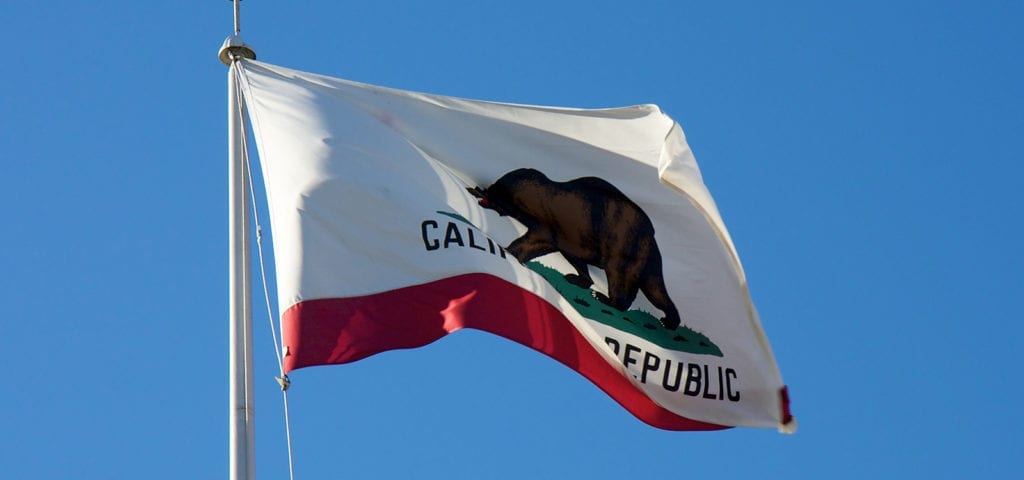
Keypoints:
pixel 481 194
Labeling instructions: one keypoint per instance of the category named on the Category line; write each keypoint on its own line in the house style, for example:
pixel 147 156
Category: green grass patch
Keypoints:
pixel 636 322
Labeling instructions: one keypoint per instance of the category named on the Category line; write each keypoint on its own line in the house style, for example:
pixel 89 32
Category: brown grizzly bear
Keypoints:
pixel 590 222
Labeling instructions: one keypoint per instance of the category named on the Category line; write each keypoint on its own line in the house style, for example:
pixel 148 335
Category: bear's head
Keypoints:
pixel 493 198
pixel 505 195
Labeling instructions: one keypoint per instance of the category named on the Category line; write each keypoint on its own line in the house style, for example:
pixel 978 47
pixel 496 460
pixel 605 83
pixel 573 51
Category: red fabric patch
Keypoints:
pixel 342 330
pixel 787 416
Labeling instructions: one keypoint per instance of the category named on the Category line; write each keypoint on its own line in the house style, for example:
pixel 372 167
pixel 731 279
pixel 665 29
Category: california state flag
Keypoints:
pixel 587 235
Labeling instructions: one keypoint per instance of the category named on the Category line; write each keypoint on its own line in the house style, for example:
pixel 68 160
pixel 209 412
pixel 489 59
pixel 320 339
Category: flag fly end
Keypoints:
pixel 788 423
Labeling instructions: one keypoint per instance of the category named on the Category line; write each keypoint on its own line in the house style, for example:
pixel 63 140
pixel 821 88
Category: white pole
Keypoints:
pixel 241 371
pixel 241 397
pixel 242 417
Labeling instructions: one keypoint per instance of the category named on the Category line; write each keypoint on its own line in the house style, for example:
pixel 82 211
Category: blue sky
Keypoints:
pixel 866 157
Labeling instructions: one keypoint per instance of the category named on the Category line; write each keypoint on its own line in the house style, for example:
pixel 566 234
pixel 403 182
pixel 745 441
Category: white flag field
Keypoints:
pixel 587 235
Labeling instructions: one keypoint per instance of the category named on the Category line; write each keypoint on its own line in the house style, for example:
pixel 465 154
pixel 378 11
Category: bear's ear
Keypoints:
pixel 476 192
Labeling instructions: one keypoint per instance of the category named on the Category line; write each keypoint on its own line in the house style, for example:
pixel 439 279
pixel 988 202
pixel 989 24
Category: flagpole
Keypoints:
pixel 242 417
pixel 241 396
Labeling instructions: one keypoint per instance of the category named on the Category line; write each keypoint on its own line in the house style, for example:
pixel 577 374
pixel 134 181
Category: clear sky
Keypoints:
pixel 866 157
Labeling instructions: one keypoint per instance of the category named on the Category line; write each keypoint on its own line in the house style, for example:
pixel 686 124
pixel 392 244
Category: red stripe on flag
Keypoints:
pixel 342 330
pixel 787 416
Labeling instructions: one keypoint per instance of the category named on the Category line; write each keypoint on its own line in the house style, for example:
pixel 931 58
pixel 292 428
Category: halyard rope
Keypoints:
pixel 282 380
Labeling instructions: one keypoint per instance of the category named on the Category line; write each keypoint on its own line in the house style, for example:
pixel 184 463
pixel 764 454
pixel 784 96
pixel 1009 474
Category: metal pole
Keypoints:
pixel 242 416
pixel 238 26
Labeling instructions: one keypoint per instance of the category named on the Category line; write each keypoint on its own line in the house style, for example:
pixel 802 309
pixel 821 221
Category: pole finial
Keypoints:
pixel 234 47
